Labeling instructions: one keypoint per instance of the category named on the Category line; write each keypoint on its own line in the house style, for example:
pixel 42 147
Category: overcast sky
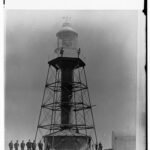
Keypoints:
pixel 108 42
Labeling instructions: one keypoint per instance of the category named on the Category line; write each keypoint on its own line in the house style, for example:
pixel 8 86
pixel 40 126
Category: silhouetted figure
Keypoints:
pixel 96 147
pixel 29 145
pixel 40 145
pixel 89 142
pixel 34 145
pixel 48 146
pixel 10 145
pixel 61 52
pixel 79 51
pixel 92 146
pixel 22 145
pixel 100 146
pixel 16 145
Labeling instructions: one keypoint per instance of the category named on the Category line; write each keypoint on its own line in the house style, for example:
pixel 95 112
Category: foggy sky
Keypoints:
pixel 108 42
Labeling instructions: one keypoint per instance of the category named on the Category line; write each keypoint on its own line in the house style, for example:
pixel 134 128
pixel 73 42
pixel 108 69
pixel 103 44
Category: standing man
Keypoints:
pixel 40 145
pixel 48 146
pixel 10 145
pixel 100 146
pixel 34 145
pixel 22 145
pixel 16 145
pixel 89 143
pixel 96 146
pixel 29 145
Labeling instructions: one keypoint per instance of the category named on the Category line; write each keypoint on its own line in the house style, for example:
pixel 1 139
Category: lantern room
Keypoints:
pixel 67 41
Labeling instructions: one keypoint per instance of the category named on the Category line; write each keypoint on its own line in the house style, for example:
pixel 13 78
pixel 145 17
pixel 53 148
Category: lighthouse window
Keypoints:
pixel 66 43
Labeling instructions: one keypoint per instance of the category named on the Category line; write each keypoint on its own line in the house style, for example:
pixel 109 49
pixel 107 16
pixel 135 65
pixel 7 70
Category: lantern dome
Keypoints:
pixel 66 32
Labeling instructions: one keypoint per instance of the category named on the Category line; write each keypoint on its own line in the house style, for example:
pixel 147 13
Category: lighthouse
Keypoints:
pixel 66 119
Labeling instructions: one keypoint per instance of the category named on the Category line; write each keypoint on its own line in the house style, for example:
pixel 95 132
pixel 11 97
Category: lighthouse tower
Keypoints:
pixel 66 119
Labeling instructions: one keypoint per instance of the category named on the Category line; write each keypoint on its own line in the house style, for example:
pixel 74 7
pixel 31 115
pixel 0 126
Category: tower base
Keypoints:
pixel 67 140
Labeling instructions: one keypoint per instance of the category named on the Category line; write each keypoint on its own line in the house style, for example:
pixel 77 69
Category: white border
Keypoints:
pixel 75 4
pixel 1 78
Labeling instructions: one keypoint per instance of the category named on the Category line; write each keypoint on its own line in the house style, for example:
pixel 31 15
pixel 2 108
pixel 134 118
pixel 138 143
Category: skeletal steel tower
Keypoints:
pixel 66 118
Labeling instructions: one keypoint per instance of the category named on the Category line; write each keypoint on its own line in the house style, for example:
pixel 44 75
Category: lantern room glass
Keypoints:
pixel 67 40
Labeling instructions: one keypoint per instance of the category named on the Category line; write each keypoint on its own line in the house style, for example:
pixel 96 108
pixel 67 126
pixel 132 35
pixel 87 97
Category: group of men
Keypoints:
pixel 30 145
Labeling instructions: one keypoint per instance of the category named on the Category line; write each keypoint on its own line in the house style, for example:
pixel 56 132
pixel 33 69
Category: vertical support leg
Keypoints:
pixel 42 103
pixel 91 108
